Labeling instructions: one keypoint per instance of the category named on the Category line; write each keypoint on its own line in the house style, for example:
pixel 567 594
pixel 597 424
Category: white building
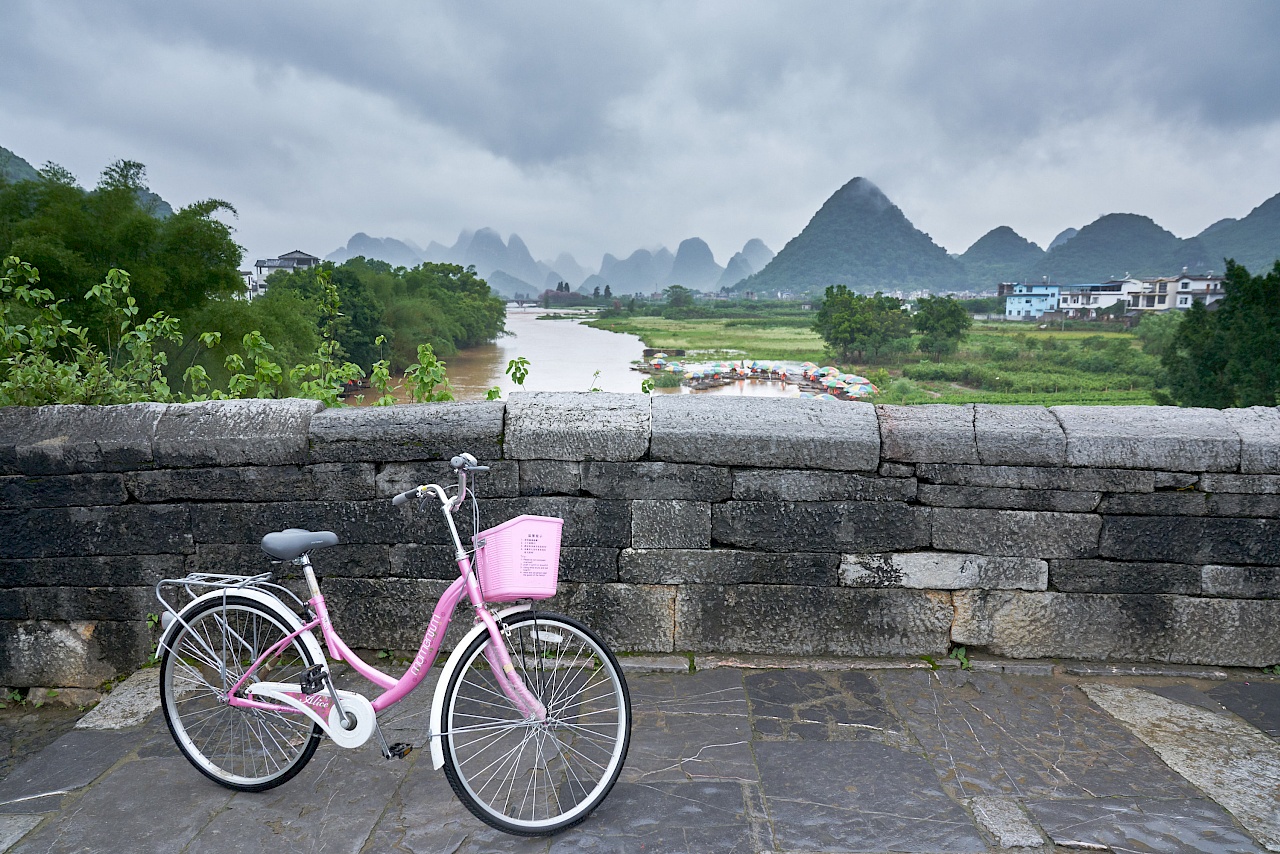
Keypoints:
pixel 255 283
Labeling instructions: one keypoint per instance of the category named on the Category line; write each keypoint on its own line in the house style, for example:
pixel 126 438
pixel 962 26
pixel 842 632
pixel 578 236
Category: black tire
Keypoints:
pixel 243 749
pixel 533 778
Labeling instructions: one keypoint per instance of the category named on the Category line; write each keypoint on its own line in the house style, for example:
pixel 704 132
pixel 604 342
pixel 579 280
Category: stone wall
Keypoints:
pixel 692 523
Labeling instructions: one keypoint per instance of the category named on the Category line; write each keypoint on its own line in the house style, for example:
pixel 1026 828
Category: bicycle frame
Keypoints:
pixel 394 690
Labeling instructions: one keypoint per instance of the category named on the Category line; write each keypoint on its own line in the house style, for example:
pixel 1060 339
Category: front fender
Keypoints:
pixel 269 602
pixel 450 666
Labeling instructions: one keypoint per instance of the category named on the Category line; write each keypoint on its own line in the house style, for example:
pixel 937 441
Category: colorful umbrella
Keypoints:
pixel 826 397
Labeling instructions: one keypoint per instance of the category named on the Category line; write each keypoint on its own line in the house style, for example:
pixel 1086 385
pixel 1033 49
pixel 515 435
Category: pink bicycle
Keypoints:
pixel 531 716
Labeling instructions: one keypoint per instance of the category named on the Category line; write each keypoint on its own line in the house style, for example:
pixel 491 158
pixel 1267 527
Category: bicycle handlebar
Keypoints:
pixel 461 464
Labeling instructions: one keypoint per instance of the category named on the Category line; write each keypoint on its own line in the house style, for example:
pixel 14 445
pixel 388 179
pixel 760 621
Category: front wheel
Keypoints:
pixel 530 777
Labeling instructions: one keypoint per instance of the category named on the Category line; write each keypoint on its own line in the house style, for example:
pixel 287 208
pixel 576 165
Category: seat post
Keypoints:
pixel 305 562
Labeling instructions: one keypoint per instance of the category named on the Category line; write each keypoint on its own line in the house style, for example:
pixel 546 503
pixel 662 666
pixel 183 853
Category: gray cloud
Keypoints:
pixel 595 128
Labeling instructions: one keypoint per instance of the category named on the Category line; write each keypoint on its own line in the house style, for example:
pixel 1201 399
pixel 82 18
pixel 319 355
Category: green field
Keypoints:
pixel 1007 363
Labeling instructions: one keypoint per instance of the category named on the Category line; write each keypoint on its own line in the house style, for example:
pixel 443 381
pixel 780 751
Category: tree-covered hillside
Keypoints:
pixel 860 239
pixel 1253 242
pixel 1119 245
pixel 1000 255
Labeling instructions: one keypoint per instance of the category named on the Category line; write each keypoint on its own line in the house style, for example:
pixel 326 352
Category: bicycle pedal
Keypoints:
pixel 313 681
pixel 399 750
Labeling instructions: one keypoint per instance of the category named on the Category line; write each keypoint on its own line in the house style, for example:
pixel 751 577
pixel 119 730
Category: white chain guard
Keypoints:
pixel 291 695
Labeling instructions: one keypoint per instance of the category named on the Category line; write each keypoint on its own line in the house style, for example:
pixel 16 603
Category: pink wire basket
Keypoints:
pixel 519 559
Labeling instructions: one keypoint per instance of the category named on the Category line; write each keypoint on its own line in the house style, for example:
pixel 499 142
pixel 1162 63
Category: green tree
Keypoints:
pixel 1228 357
pixel 1156 331
pixel 679 296
pixel 74 237
pixel 943 322
pixel 857 327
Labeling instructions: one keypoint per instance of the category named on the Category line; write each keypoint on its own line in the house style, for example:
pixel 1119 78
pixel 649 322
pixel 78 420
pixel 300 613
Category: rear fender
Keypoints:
pixel 269 602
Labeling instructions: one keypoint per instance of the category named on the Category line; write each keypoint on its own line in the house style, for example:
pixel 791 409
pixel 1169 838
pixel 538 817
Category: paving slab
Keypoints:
pixel 821 755
pixel 859 796
pixel 150 805
pixel 1256 702
pixel 1151 825
pixel 821 706
pixel 72 762
pixel 989 734
pixel 1230 761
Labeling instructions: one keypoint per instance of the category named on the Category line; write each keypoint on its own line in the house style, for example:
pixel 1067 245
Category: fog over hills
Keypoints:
pixel 859 238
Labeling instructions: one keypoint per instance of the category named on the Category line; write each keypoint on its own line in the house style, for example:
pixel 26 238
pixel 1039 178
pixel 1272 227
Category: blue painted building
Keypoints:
pixel 1030 301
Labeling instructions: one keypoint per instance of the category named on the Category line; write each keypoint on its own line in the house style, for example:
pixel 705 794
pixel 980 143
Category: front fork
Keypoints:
pixel 504 671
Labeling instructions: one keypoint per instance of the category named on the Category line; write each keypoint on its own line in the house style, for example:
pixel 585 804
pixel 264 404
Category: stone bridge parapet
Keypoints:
pixel 692 523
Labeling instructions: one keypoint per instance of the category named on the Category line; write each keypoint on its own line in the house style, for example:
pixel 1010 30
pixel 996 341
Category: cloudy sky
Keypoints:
pixel 595 127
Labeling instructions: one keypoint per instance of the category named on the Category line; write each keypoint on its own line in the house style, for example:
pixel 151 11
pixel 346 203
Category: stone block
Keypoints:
pixel 629 617
pixel 795 620
pixel 352 521
pixel 897 470
pixel 390 613
pixel 47 440
pixel 1259 430
pixel 770 432
pixel 726 566
pixel 550 477
pixel 21 492
pixel 1241 582
pixel 577 426
pixel 590 565
pixel 1156 504
pixel 417 560
pixel 1196 540
pixel 1030 477
pixel 72 654
pixel 1244 484
pixel 810 526
pixel 234 433
pixel 78 603
pixel 797 485
pixel 1175 629
pixel 415 431
pixel 943 571
pixel 1104 576
pixel 501 481
pixel 656 481
pixel 588 522
pixel 1018 436
pixel 334 481
pixel 1169 480
pixel 998 498
pixel 79 571
pixel 1165 438
pixel 670 525
pixel 932 433
pixel 1016 533
pixel 345 560
pixel 129 529
pixel 1265 506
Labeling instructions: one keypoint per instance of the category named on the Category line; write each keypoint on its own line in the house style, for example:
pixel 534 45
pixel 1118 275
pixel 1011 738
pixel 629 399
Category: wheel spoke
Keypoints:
pixel 528 776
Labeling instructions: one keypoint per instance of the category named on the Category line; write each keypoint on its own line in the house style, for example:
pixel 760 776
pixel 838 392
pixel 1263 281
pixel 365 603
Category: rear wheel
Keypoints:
pixel 244 749
pixel 525 776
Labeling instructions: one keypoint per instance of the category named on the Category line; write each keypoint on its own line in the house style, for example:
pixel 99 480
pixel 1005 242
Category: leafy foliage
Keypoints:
pixel 45 358
pixel 74 237
pixel 856 326
pixel 1228 357
pixel 943 322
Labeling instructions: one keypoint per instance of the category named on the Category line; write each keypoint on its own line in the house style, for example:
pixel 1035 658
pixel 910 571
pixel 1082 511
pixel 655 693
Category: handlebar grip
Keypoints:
pixel 403 497
pixel 478 468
